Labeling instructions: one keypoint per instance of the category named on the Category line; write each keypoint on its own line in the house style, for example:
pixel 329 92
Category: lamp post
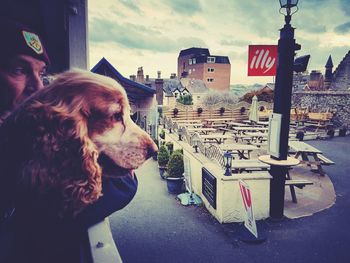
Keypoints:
pixel 195 141
pixel 181 133
pixel 228 163
pixel 282 104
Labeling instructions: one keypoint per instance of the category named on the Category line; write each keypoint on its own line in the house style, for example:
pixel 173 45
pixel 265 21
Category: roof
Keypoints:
pixel 194 51
pixel 218 59
pixel 194 85
pixel 103 67
pixel 269 85
pixel 171 85
pixel 329 63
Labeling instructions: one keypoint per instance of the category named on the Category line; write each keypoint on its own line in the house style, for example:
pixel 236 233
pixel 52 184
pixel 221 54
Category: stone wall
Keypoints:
pixel 320 101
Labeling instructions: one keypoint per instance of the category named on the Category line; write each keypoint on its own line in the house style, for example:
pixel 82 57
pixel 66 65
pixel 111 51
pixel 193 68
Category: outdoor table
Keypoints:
pixel 194 125
pixel 239 166
pixel 257 136
pixel 201 130
pixel 219 138
pixel 305 151
pixel 243 130
pixel 277 183
pixel 211 121
pixel 237 124
pixel 243 150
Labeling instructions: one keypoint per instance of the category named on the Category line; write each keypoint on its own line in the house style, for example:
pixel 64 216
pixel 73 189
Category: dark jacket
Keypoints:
pixel 42 236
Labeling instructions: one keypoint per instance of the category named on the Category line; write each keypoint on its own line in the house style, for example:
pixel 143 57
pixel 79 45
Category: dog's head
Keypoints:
pixel 65 136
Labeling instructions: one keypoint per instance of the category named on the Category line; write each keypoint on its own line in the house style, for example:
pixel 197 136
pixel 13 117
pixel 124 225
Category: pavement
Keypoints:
pixel 155 227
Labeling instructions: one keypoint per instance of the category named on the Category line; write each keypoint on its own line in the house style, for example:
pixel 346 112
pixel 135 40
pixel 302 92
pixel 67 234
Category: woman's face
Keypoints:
pixel 19 78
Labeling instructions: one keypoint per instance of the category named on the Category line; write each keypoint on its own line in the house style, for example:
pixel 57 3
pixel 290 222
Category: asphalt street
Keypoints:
pixel 155 227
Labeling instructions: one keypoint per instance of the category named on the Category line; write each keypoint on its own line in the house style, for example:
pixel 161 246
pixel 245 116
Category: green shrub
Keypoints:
pixel 176 165
pixel 163 156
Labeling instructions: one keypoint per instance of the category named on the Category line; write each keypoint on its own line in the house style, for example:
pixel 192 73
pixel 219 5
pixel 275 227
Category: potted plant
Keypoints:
pixel 170 147
pixel 174 175
pixel 222 110
pixel 163 159
pixel 199 111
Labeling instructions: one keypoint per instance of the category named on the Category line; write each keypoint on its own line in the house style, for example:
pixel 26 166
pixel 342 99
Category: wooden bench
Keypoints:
pixel 324 160
pixel 300 183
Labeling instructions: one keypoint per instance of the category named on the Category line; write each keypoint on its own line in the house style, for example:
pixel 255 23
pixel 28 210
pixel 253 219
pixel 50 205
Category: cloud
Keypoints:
pixel 239 42
pixel 343 28
pixel 185 7
pixel 131 5
pixel 345 6
pixel 138 37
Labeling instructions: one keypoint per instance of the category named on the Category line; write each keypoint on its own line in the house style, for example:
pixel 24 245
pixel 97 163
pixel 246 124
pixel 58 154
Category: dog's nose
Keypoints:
pixel 152 150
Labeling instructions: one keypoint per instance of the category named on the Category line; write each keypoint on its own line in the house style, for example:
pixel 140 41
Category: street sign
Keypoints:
pixel 262 60
pixel 249 221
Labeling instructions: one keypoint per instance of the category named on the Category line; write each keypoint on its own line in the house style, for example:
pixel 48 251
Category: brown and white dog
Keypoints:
pixel 65 136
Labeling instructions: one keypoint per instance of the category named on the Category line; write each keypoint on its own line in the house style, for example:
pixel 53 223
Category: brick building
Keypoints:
pixel 198 63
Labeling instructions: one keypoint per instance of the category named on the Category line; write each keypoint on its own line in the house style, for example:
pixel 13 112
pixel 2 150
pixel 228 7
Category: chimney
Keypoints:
pixel 133 77
pixel 140 77
pixel 147 78
pixel 159 89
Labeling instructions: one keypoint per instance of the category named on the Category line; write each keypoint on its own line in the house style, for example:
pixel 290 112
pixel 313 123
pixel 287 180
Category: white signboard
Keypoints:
pixel 273 146
pixel 249 222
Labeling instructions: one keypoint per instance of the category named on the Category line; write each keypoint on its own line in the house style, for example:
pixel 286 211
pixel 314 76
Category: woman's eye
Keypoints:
pixel 118 116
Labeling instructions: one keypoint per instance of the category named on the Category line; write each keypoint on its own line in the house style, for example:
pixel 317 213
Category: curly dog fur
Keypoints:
pixel 53 142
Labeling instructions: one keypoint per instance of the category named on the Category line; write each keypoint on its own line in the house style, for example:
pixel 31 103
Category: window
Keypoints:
pixel 210 70
pixel 210 80
pixel 190 61
pixel 190 71
pixel 210 59
pixel 193 70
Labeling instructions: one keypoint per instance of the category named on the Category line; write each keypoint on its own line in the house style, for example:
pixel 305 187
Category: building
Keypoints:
pixel 169 90
pixel 141 97
pixel 316 81
pixel 198 63
pixel 341 75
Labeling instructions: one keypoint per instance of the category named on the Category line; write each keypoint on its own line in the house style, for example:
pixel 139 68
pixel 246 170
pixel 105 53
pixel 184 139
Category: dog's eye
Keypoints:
pixel 118 116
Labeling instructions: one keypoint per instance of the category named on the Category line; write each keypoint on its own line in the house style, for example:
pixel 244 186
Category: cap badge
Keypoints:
pixel 33 42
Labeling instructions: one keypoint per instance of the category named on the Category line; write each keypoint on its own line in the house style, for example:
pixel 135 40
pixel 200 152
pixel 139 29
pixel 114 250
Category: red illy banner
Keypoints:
pixel 262 60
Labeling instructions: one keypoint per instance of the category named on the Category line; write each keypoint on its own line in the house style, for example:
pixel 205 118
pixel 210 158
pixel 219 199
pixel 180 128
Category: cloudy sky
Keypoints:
pixel 151 33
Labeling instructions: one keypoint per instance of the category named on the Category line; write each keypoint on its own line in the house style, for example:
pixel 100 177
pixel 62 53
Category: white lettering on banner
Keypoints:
pixel 266 61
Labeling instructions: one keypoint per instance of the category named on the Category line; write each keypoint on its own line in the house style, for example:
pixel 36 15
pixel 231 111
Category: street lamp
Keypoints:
pixel 228 163
pixel 195 142
pixel 181 133
pixel 282 104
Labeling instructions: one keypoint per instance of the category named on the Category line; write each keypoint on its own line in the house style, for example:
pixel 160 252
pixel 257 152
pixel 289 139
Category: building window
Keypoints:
pixel 190 71
pixel 190 61
pixel 193 70
pixel 210 59
pixel 210 70
pixel 210 80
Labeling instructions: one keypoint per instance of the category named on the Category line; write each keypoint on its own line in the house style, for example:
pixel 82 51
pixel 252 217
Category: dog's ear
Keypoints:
pixel 62 157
